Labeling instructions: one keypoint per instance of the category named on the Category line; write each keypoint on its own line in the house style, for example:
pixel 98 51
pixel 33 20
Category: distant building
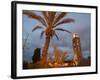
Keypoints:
pixel 61 58
pixel 56 56
pixel 36 56
pixel 77 49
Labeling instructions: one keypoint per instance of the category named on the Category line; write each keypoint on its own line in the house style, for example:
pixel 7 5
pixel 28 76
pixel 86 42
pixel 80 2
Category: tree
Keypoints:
pixel 25 41
pixel 49 21
pixel 36 55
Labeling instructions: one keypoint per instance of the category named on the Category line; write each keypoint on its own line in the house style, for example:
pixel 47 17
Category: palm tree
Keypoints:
pixel 49 21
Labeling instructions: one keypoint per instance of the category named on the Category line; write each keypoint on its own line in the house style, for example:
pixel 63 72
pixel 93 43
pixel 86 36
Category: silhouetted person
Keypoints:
pixel 36 56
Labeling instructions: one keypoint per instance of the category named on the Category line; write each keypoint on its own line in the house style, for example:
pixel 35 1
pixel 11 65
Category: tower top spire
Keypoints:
pixel 75 35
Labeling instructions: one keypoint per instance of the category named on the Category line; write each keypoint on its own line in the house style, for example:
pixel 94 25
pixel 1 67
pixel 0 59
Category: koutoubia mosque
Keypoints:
pixel 77 49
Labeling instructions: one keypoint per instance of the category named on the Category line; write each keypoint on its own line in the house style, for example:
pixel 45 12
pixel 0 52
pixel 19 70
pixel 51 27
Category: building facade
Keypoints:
pixel 77 49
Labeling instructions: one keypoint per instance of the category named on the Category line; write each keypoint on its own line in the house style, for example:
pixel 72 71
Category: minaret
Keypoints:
pixel 76 49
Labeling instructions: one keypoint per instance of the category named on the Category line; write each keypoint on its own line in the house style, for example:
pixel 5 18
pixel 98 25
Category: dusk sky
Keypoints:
pixel 81 26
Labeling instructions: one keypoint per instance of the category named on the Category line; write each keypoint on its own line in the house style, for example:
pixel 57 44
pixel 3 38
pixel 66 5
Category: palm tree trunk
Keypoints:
pixel 45 50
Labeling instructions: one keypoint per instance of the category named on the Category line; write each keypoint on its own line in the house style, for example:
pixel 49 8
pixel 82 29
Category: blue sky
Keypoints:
pixel 81 26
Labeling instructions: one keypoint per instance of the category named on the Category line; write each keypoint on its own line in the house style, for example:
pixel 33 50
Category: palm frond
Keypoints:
pixel 42 34
pixel 45 15
pixel 32 15
pixel 60 29
pixel 59 17
pixel 37 27
pixel 56 36
pixel 51 16
pixel 68 20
